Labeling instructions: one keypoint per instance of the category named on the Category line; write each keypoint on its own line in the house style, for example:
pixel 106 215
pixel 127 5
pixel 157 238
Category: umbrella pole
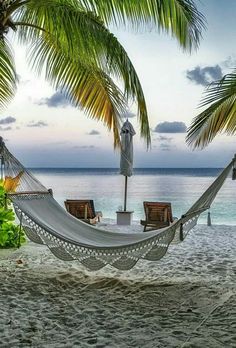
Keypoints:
pixel 125 200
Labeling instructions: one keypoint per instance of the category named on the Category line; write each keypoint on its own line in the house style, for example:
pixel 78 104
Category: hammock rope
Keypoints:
pixel 46 222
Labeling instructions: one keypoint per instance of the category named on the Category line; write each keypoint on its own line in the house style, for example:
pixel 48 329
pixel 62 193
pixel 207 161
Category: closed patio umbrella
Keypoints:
pixel 126 156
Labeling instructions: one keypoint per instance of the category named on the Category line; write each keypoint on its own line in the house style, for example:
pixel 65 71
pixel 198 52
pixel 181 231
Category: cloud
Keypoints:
pixel 8 120
pixel 56 100
pixel 164 143
pixel 171 127
pixel 58 143
pixel 165 147
pixel 84 147
pixel 5 129
pixel 22 80
pixel 204 76
pixel 165 139
pixel 129 114
pixel 229 62
pixel 93 132
pixel 38 124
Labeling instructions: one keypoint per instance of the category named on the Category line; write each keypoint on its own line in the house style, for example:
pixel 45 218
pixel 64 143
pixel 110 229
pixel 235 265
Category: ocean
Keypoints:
pixel 180 186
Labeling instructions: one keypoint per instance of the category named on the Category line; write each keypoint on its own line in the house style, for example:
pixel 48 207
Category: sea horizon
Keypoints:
pixel 135 168
pixel 199 171
pixel 162 171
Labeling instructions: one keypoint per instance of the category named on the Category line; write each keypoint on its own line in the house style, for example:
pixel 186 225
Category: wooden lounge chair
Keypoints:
pixel 158 215
pixel 82 209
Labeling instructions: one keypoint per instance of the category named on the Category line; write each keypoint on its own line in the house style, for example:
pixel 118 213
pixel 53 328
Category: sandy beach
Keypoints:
pixel 188 299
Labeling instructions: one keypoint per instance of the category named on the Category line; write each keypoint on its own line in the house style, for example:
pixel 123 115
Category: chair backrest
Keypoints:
pixel 158 211
pixel 80 208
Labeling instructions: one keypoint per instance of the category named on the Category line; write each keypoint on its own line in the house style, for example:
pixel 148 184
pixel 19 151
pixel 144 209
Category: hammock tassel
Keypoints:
pixel 5 201
pixel 234 174
pixel 234 168
pixel 208 219
pixel 2 167
pixel 181 232
pixel 20 230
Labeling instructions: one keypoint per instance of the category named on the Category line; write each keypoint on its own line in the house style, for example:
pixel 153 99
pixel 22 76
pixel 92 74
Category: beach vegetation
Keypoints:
pixel 219 115
pixel 70 44
pixel 11 234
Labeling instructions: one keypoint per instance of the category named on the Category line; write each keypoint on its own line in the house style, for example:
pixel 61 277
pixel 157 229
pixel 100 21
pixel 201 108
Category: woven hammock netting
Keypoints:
pixel 46 222
pixel 12 167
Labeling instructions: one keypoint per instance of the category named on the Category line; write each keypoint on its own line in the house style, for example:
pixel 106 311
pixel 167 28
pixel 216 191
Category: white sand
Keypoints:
pixel 188 299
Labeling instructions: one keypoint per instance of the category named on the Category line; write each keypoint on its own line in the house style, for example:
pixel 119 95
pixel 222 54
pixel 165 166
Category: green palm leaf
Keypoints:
pixel 219 117
pixel 91 41
pixel 8 76
pixel 178 17
pixel 85 85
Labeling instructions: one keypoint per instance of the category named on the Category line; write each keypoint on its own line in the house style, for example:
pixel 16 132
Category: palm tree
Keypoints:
pixel 219 116
pixel 69 43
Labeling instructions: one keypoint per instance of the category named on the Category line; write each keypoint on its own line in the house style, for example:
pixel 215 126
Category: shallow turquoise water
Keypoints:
pixel 181 187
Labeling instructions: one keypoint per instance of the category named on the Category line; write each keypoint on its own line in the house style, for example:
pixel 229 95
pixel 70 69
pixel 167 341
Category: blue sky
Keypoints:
pixel 43 130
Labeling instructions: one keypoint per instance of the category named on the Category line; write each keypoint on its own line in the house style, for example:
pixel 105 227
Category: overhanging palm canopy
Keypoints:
pixel 219 116
pixel 70 44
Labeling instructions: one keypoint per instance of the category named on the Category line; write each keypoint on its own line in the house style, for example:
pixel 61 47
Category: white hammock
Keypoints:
pixel 46 222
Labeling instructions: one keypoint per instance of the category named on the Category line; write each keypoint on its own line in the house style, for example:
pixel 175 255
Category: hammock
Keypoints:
pixel 46 222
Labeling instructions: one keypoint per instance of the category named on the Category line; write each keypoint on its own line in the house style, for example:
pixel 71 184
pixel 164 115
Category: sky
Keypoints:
pixel 43 130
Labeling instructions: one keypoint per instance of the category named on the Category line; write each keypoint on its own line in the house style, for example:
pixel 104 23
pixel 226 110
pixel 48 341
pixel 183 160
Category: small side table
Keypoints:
pixel 124 217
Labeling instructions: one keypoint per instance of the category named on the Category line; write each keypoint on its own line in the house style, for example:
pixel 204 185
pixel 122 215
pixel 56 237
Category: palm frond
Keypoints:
pixel 84 85
pixel 83 35
pixel 181 18
pixel 219 117
pixel 8 77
